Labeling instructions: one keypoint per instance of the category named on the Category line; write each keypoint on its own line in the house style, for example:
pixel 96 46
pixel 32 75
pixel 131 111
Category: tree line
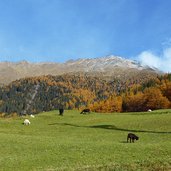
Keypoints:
pixel 77 91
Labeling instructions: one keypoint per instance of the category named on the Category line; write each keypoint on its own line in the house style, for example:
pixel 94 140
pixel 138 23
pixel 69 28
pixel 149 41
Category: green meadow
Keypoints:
pixel 86 142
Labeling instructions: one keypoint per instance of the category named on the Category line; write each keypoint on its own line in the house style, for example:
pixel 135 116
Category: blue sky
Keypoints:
pixel 59 30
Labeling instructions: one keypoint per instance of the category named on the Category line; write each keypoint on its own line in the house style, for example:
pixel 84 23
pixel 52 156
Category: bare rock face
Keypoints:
pixel 109 66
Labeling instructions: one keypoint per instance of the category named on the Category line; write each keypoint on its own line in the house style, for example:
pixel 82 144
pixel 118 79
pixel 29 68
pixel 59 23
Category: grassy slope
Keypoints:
pixel 86 142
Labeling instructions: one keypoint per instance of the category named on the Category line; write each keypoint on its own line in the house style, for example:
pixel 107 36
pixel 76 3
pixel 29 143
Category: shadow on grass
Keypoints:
pixel 112 127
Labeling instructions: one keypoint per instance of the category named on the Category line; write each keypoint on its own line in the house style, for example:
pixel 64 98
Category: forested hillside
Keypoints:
pixel 76 91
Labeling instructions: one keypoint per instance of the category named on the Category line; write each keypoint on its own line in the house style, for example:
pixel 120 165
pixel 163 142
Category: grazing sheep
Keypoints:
pixel 132 137
pixel 85 111
pixel 26 122
pixel 32 116
pixel 149 110
pixel 61 111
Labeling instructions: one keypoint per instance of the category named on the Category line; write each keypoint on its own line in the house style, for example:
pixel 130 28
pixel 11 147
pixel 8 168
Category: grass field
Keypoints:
pixel 86 142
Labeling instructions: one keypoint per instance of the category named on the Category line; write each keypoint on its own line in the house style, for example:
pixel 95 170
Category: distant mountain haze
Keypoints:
pixel 108 66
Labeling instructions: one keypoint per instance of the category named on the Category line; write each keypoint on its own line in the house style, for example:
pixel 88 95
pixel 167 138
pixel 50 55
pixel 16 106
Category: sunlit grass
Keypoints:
pixel 86 142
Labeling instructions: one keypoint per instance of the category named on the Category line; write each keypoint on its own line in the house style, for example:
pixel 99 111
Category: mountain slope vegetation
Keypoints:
pixel 77 91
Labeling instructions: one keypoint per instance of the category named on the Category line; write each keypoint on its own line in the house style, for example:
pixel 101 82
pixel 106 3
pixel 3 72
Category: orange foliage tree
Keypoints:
pixel 154 99
pixel 166 89
pixel 151 98
pixel 133 102
pixel 112 104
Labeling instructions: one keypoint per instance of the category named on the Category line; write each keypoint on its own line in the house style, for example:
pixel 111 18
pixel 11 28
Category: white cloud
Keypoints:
pixel 162 62
pixel 167 53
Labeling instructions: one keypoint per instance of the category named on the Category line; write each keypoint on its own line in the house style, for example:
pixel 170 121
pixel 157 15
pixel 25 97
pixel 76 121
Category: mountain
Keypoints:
pixel 109 66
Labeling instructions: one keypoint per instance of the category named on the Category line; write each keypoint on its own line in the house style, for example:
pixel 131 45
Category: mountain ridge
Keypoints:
pixel 107 66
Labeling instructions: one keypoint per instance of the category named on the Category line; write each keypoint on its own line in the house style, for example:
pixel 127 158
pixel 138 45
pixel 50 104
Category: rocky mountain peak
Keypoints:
pixel 107 62
pixel 107 66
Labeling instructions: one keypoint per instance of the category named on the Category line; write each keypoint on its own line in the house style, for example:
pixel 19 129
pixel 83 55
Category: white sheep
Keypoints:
pixel 32 116
pixel 149 110
pixel 26 122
